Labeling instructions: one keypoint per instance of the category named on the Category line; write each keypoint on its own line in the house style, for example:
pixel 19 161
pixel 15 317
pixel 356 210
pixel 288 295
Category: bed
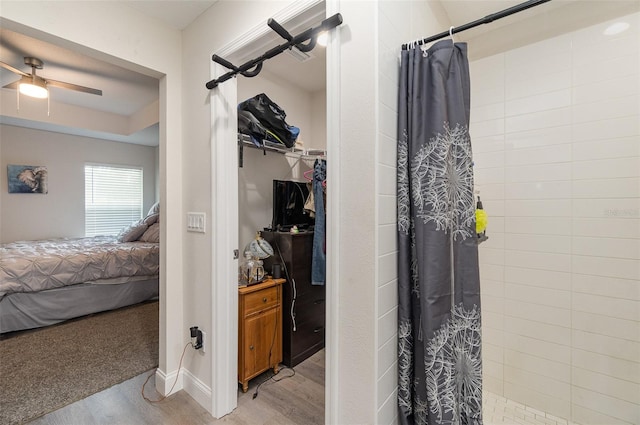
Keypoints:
pixel 48 281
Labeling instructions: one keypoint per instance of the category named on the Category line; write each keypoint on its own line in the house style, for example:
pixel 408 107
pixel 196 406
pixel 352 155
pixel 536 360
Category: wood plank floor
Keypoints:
pixel 295 400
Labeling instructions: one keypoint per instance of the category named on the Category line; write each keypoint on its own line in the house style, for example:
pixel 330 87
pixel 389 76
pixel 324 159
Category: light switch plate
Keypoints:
pixel 196 222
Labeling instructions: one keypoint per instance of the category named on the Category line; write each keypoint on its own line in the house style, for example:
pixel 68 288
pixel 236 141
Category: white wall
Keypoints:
pixel 113 32
pixel 354 178
pixel 255 181
pixel 60 213
pixel 255 194
pixel 556 138
pixel 318 121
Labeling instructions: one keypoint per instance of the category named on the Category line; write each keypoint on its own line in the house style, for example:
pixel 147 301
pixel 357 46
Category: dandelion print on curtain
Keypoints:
pixel 439 364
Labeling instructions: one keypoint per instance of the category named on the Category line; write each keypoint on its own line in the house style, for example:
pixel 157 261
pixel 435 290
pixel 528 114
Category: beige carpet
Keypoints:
pixel 43 370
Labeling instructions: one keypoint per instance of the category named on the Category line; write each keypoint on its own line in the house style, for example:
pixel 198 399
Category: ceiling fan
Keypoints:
pixel 35 86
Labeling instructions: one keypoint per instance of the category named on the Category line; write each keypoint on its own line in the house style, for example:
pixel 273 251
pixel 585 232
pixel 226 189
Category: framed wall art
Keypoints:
pixel 27 179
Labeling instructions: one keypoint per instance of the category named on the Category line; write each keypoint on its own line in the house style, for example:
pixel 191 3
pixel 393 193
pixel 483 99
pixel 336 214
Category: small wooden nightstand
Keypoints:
pixel 259 329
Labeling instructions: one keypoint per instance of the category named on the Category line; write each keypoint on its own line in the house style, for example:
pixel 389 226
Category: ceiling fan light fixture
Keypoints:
pixel 33 87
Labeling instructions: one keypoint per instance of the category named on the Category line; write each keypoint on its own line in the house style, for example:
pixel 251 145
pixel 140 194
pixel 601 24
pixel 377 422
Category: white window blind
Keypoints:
pixel 112 198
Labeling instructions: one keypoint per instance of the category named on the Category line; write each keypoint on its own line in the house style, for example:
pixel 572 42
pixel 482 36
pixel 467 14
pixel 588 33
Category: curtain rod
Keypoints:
pixel 254 66
pixel 486 20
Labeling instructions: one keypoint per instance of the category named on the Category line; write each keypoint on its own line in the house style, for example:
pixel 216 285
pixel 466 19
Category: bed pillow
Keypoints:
pixel 151 219
pixel 152 234
pixel 155 209
pixel 132 232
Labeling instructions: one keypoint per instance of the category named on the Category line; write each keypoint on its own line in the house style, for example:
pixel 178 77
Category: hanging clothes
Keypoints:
pixel 318 259
pixel 309 204
pixel 439 345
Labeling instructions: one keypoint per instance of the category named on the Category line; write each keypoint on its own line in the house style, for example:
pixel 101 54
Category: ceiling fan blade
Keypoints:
pixel 13 85
pixel 12 69
pixel 75 87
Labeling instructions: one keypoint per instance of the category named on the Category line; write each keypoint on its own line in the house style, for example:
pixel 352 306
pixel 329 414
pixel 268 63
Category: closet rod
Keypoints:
pixel 254 66
pixel 486 20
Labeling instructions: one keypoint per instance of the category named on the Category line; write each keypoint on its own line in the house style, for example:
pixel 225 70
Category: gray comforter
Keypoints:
pixel 33 266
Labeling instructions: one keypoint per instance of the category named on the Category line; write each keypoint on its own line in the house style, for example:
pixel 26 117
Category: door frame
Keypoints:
pixel 224 208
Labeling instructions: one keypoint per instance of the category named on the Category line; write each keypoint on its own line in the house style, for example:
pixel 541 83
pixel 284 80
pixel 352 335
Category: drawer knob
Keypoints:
pixel 264 300
pixel 251 347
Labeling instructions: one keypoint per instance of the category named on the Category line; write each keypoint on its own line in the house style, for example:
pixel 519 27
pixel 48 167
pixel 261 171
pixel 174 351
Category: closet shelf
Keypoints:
pixel 245 140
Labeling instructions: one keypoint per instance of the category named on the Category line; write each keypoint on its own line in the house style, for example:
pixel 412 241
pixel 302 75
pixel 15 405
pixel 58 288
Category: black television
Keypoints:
pixel 289 198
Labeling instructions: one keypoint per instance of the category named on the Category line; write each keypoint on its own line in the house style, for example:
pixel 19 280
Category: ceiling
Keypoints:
pixel 529 26
pixel 123 91
pixel 177 14
pixel 127 93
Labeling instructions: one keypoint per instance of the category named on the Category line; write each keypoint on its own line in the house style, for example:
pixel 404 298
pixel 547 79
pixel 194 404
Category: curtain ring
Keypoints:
pixel 451 32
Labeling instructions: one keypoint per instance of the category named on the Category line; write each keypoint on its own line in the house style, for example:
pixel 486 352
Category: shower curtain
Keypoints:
pixel 439 361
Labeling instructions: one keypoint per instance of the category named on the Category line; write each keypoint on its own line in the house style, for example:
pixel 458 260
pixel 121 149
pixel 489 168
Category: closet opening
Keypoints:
pixel 281 341
pixel 275 198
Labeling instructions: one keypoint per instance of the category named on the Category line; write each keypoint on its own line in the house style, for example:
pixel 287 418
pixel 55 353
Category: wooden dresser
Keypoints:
pixel 259 329
pixel 303 304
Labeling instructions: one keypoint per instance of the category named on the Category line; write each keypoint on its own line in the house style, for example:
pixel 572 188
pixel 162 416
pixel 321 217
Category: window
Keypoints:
pixel 112 198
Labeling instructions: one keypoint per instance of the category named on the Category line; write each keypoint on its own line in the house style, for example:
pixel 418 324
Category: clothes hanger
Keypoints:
pixel 308 175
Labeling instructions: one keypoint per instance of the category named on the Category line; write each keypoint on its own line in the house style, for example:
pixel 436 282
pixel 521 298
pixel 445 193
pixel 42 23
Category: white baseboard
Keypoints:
pixel 200 392
pixel 164 382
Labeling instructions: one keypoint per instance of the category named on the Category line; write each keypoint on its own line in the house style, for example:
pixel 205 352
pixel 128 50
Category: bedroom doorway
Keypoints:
pixel 160 157
pixel 234 226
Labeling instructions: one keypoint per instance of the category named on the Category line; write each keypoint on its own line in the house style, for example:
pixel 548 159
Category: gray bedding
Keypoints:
pixel 32 266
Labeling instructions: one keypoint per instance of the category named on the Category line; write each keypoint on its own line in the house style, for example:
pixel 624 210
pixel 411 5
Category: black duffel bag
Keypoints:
pixel 249 125
pixel 272 117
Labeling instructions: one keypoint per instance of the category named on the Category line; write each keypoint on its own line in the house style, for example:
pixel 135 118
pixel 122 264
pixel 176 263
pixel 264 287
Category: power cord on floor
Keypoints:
pixel 272 378
pixel 174 382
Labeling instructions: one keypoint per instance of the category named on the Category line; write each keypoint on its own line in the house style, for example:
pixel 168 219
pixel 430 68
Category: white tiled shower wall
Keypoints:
pixel 556 138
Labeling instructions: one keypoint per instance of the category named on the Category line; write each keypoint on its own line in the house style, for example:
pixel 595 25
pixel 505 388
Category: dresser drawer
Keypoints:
pixel 260 300
pixel 309 338
pixel 310 309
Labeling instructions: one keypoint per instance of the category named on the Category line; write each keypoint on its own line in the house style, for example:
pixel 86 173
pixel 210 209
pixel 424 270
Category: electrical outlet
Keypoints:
pixel 198 338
